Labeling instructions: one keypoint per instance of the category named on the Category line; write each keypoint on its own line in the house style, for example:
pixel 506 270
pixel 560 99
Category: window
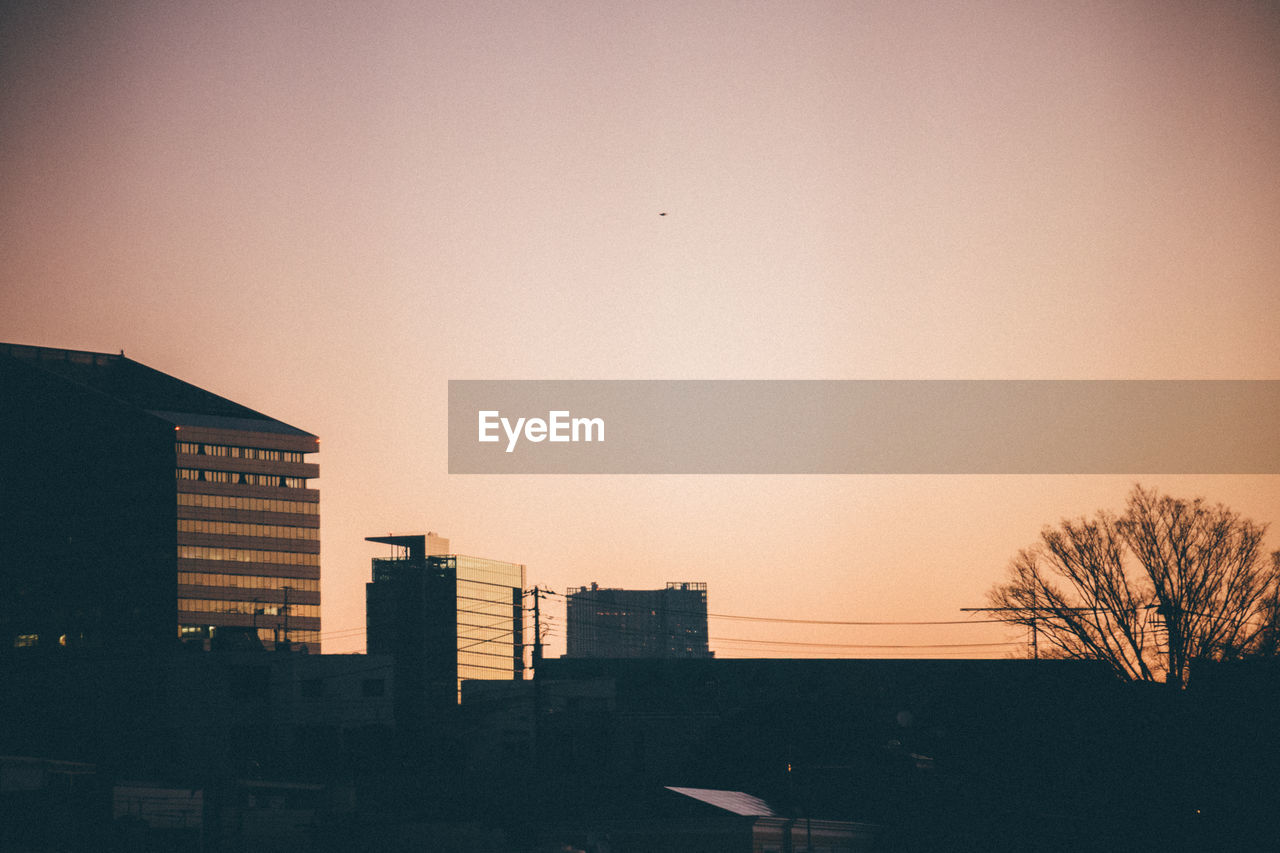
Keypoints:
pixel 247 608
pixel 269 531
pixel 194 449
pixel 247 555
pixel 232 502
pixel 247 581
pixel 239 477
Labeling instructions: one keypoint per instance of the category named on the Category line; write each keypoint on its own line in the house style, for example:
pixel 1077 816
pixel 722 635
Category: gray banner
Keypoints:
pixel 863 427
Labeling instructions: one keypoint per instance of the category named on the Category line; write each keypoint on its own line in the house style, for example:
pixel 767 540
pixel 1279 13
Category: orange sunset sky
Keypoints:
pixel 325 211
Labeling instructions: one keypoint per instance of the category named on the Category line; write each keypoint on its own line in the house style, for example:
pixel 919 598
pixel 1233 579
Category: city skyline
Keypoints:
pixel 326 212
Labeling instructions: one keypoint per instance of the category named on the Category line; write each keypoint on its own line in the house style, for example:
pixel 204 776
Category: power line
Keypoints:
pixel 777 619
pixel 863 645
pixel 634 632
pixel 355 632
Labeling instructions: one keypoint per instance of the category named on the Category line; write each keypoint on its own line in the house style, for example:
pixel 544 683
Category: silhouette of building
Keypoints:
pixel 138 507
pixel 444 617
pixel 637 623
pixel 944 754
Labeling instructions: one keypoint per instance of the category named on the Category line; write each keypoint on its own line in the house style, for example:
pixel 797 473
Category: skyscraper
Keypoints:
pixel 139 508
pixel 446 617
pixel 637 623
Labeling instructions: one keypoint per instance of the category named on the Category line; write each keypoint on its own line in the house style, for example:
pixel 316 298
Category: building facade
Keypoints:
pixel 637 623
pixel 140 508
pixel 445 617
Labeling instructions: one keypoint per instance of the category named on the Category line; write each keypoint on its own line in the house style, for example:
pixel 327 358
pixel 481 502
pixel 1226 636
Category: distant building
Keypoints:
pixel 638 623
pixel 138 508
pixel 445 617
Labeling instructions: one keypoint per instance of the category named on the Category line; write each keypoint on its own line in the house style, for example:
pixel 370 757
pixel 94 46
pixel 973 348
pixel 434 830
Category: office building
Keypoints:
pixel 445 617
pixel 637 623
pixel 138 508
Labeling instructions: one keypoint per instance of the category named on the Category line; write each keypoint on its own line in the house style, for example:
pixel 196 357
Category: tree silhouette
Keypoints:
pixel 1167 582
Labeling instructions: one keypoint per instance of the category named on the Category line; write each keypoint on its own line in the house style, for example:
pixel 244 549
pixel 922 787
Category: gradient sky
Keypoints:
pixel 327 210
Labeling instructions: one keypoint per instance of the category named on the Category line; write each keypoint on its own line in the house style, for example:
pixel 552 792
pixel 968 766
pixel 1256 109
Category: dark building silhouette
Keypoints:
pixel 637 623
pixel 218 752
pixel 138 508
pixel 941 754
pixel 444 617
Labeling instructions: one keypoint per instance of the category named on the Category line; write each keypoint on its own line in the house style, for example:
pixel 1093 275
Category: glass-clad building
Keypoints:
pixel 490 639
pixel 445 617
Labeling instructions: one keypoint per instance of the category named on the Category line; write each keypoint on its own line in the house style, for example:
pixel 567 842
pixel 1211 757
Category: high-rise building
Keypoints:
pixel 138 508
pixel 637 623
pixel 445 617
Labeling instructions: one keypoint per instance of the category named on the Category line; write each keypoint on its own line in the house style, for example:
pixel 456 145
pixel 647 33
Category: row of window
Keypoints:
pixel 484 671
pixel 247 555
pixel 222 605
pixel 247 581
pixel 482 570
pixel 240 478
pixel 234 528
pixel 197 449
pixel 267 635
pixel 254 504
pixel 481 591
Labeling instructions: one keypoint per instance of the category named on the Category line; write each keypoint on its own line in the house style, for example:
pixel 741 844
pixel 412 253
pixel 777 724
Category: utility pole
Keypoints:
pixel 1171 614
pixel 1035 638
pixel 537 632
pixel 1034 610
pixel 536 733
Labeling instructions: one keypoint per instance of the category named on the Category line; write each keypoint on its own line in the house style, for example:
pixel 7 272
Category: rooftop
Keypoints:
pixel 142 387
pixel 731 801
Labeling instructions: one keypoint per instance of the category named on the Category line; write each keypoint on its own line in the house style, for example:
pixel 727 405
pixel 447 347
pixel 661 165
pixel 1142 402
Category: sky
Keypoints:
pixel 325 211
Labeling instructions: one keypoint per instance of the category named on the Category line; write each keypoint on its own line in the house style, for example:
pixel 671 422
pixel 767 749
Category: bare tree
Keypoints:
pixel 1166 582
